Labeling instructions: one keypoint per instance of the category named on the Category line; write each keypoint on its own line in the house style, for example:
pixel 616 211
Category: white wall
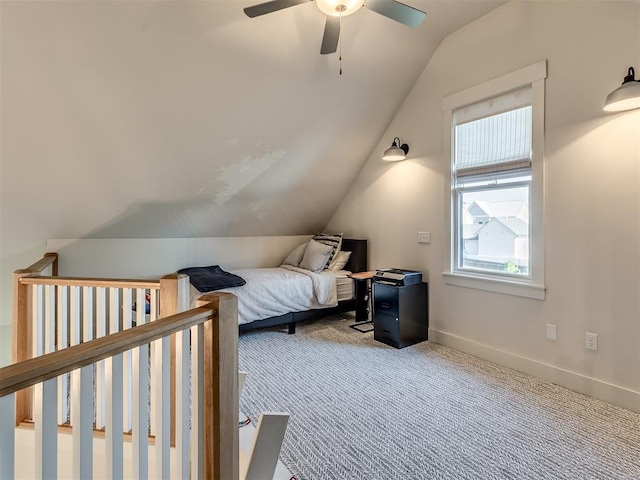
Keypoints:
pixel 155 257
pixel 592 206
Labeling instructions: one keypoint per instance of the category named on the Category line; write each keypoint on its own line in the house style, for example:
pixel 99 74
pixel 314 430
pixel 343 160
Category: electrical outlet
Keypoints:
pixel 424 237
pixel 552 331
pixel 591 341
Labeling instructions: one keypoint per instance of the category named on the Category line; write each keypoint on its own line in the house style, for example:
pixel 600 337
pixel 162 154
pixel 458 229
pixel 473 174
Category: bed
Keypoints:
pixel 288 294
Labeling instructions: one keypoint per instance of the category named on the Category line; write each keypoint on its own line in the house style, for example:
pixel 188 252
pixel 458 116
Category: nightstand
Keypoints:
pixel 362 285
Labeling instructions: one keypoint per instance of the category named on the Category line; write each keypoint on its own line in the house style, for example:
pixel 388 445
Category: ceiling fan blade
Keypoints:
pixel 409 16
pixel 273 6
pixel 331 35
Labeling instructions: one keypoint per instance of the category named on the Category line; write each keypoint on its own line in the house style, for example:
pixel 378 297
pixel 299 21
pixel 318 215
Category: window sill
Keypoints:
pixel 504 286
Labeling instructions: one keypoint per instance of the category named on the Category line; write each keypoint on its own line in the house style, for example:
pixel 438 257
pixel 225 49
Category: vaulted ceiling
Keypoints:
pixel 187 118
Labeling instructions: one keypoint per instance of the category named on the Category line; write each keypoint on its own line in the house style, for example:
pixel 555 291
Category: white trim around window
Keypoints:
pixel 533 286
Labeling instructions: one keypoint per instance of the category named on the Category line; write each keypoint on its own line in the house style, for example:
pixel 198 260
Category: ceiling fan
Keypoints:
pixel 336 9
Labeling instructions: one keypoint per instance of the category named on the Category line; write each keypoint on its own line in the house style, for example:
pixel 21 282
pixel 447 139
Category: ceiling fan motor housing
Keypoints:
pixel 336 8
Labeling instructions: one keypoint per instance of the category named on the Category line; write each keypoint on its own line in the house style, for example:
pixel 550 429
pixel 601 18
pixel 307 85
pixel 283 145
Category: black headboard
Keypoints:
pixel 358 259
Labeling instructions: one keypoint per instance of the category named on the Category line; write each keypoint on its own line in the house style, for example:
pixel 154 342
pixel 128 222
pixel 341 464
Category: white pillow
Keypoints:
pixel 295 257
pixel 316 256
pixel 340 261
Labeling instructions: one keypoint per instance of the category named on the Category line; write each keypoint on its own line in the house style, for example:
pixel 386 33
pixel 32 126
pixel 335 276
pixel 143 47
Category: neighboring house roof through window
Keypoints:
pixel 517 226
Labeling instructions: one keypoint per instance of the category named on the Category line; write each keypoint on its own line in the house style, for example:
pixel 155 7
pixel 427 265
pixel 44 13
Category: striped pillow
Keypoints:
pixel 335 241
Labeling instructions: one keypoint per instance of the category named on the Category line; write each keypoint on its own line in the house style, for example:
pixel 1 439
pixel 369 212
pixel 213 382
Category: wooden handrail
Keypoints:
pixel 50 258
pixel 90 282
pixel 17 376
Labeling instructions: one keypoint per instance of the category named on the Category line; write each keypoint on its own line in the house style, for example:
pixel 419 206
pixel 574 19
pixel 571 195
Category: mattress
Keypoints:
pixel 344 285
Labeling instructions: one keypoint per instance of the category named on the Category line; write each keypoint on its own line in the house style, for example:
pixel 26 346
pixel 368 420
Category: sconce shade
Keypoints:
pixel 396 152
pixel 626 96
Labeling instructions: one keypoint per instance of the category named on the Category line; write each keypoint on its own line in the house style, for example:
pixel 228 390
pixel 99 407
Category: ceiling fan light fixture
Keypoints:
pixel 337 8
pixel 396 152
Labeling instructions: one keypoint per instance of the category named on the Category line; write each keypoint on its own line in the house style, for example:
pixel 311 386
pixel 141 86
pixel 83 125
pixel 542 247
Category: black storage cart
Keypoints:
pixel 400 314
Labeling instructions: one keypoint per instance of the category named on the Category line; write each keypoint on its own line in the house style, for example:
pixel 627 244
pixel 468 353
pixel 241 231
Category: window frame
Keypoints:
pixel 533 285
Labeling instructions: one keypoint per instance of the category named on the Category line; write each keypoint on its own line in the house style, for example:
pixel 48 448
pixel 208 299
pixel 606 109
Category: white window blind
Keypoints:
pixel 493 137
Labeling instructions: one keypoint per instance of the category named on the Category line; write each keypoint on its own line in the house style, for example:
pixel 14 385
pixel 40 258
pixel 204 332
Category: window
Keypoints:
pixel 495 135
pixel 491 185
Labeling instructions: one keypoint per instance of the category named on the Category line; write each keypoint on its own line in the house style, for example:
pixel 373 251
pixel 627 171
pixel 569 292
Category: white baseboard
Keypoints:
pixel 614 394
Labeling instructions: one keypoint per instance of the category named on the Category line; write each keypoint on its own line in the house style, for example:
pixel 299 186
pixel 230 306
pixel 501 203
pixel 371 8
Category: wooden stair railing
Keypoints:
pixel 54 314
pixel 216 383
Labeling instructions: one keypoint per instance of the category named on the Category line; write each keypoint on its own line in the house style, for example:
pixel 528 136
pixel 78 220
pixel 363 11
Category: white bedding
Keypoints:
pixel 270 292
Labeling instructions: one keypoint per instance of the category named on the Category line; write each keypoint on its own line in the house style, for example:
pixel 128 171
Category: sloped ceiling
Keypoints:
pixel 187 118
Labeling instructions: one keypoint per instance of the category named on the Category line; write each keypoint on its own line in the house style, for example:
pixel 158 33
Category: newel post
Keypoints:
pixel 174 294
pixel 174 298
pixel 22 338
pixel 221 437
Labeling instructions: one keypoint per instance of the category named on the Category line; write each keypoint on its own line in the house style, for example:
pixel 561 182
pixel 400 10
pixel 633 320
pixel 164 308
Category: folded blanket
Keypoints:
pixel 208 279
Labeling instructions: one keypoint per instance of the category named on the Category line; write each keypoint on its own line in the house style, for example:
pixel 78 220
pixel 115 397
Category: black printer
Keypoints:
pixel 397 276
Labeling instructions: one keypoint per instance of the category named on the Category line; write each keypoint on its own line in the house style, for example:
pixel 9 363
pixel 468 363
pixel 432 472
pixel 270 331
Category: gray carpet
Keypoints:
pixel 363 410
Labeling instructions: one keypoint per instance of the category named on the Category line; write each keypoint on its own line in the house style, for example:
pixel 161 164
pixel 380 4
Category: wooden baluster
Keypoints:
pixel 127 323
pixel 174 298
pixel 161 400
pixel 100 331
pixel 45 419
pixel 45 415
pixel 81 390
pixel 197 402
pixel 87 314
pixel 181 405
pixel 8 435
pixel 114 437
pixel 154 376
pixel 75 327
pixel 45 463
pixel 49 319
pixel 82 421
pixel 62 343
pixel 37 340
pixel 140 406
pixel 75 335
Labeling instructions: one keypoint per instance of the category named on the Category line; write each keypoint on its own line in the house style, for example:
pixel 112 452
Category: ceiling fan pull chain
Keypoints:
pixel 340 45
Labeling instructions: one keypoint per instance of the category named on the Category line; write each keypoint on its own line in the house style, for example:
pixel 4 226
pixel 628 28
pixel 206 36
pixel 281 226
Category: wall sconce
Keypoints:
pixel 626 96
pixel 396 151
